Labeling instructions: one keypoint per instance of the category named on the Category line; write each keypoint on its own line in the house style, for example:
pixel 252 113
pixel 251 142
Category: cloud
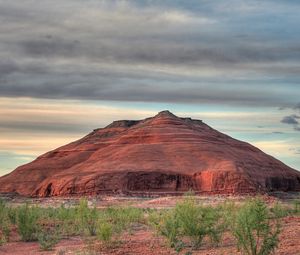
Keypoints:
pixel 297 106
pixel 58 117
pixel 290 120
pixel 78 54
pixel 100 87
pixel 49 47
pixel 295 150
pixel 6 68
pixel 30 127
pixel 154 52
pixel 278 148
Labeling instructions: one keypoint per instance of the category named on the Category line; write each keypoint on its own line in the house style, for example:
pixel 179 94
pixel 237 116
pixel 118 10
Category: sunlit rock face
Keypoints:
pixel 161 155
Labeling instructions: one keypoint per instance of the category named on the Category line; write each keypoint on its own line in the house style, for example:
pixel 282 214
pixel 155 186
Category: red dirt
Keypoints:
pixel 70 245
pixel 161 155
pixel 144 242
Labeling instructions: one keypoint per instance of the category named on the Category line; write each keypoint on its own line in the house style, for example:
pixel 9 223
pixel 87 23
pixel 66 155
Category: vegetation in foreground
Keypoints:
pixel 188 226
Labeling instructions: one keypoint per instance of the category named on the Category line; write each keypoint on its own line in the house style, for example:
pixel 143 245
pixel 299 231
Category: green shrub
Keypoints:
pixel 12 215
pixel 114 220
pixel 228 211
pixel 4 223
pixel 197 222
pixel 68 221
pixel 168 226
pixel 2 239
pixel 279 211
pixel 47 239
pixel 296 204
pixel 122 218
pixel 188 221
pixel 27 223
pixel 66 214
pixel 105 231
pixel 87 217
pixel 4 232
pixel 255 230
pixel 82 212
pixel 92 221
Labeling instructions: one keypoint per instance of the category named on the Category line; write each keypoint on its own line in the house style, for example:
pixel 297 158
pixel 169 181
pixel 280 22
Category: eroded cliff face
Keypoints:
pixel 164 154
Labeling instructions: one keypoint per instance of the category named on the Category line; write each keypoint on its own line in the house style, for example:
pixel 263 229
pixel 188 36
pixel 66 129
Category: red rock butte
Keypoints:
pixel 164 154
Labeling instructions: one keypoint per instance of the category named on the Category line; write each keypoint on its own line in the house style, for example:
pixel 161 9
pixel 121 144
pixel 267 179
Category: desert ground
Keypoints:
pixel 140 238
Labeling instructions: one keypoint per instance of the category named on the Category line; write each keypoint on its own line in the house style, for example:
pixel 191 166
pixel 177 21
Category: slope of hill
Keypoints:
pixel 162 154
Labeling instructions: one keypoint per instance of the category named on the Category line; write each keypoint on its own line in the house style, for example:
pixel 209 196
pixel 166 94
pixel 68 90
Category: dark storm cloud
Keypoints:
pixel 6 68
pixel 165 52
pixel 291 120
pixel 102 87
pixel 151 51
pixel 49 47
pixel 9 68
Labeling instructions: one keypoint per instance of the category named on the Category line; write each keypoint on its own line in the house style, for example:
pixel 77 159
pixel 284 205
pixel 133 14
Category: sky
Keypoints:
pixel 70 66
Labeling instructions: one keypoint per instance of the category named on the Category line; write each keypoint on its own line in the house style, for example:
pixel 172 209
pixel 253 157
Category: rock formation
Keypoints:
pixel 162 155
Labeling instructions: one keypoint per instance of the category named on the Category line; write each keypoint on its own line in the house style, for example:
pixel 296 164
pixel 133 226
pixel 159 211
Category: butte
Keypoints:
pixel 164 154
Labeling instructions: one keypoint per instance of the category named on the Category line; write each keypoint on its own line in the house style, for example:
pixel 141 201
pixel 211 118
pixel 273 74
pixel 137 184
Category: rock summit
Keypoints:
pixel 164 154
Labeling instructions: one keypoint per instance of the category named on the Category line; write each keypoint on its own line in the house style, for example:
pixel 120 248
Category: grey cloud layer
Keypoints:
pixel 292 120
pixel 160 52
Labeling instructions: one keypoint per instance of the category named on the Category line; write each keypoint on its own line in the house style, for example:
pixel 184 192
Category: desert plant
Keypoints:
pixel 2 239
pixel 47 239
pixel 279 211
pixel 27 222
pixel 4 223
pixel 188 221
pixel 12 215
pixel 296 205
pixel 92 221
pixel 4 232
pixel 228 211
pixel 168 226
pixel 104 231
pixel 255 230
pixel 82 212
pixel 122 218
pixel 88 217
pixel 197 222
pixel 67 217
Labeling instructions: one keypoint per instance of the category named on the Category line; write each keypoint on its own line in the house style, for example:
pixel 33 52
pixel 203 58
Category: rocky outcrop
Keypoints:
pixel 164 154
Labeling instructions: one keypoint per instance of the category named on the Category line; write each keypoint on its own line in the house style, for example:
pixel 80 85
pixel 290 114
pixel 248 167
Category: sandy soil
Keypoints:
pixel 142 240
pixel 139 202
pixel 145 242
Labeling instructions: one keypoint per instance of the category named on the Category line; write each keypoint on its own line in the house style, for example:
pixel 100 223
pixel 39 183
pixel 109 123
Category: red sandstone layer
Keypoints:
pixel 162 154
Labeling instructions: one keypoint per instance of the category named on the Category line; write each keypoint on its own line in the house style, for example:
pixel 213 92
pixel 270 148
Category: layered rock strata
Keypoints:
pixel 164 154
